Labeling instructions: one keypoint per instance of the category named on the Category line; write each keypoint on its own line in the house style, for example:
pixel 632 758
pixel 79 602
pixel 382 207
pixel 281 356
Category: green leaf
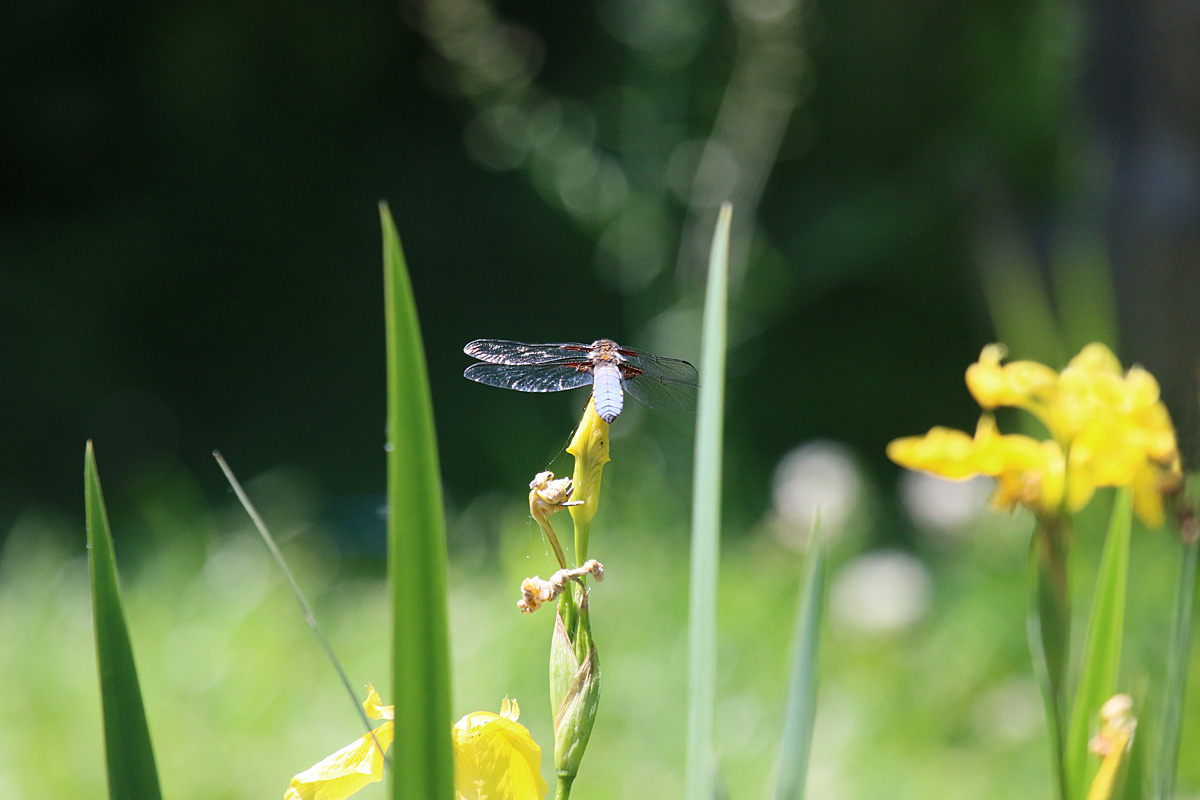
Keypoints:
pixel 1177 648
pixel 1102 651
pixel 128 752
pixel 422 760
pixel 1019 302
pixel 1083 292
pixel 706 524
pixel 800 713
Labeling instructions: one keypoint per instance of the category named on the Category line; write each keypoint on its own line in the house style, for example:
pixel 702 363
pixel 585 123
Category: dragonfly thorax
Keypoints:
pixel 605 350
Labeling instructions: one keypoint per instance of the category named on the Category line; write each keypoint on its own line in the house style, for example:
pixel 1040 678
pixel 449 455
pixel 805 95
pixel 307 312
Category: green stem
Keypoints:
pixel 1177 661
pixel 563 790
pixel 581 636
pixel 583 530
pixel 1050 631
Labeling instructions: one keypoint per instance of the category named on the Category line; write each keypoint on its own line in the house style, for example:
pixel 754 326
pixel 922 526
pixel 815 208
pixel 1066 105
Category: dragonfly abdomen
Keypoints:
pixel 606 390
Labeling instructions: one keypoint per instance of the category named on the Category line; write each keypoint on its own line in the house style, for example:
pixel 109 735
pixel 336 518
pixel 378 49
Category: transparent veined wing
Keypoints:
pixel 503 351
pixel 530 377
pixel 663 383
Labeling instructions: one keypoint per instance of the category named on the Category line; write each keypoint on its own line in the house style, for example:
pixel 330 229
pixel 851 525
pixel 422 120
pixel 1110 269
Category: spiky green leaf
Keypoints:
pixel 800 711
pixel 128 751
pixel 422 760
pixel 1101 663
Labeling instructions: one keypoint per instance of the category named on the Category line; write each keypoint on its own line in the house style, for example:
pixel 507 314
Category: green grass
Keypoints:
pixel 240 696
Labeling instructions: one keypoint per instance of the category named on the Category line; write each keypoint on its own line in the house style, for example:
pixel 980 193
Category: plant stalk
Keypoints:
pixel 1049 629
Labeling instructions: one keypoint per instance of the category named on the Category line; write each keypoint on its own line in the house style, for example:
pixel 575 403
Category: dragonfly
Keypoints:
pixel 611 369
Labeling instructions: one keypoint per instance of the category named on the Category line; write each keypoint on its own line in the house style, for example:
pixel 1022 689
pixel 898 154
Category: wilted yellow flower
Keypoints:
pixel 535 592
pixel 547 496
pixel 495 758
pixel 1112 744
pixel 1107 429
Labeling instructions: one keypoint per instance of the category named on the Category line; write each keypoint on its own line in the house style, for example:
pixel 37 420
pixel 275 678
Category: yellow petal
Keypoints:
pixel 345 772
pixel 1148 489
pixel 942 451
pixel 1142 388
pixel 1080 489
pixel 495 758
pixel 1097 358
pixel 1022 384
pixel 374 706
pixel 1027 472
pixel 510 710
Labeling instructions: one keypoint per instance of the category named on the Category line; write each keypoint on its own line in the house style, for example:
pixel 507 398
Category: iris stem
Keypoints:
pixel 583 531
pixel 1050 630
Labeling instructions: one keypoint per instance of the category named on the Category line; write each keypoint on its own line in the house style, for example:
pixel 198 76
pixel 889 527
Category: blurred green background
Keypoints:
pixel 189 260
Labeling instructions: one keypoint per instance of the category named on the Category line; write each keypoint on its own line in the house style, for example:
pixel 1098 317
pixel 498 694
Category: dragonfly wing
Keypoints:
pixel 502 351
pixel 662 394
pixel 672 370
pixel 530 378
pixel 664 383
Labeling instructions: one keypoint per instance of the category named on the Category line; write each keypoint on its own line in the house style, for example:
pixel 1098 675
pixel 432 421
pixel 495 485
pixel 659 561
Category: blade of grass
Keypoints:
pixel 1178 647
pixel 423 763
pixel 706 524
pixel 309 616
pixel 1102 650
pixel 800 713
pixel 128 750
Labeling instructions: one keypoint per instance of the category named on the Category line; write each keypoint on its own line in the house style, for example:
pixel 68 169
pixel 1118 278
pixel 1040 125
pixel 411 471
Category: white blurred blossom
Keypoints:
pixel 880 592
pixel 942 504
pixel 820 476
pixel 1010 711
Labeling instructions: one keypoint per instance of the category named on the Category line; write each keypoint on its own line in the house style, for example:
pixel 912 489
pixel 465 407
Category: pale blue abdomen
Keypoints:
pixel 606 390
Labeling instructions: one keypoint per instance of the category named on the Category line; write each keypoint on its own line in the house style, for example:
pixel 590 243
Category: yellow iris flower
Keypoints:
pixel 495 758
pixel 1106 429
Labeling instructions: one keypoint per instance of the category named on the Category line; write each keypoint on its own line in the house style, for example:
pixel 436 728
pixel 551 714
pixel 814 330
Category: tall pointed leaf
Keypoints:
pixel 1102 651
pixel 800 713
pixel 422 760
pixel 1178 647
pixel 128 752
pixel 706 524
